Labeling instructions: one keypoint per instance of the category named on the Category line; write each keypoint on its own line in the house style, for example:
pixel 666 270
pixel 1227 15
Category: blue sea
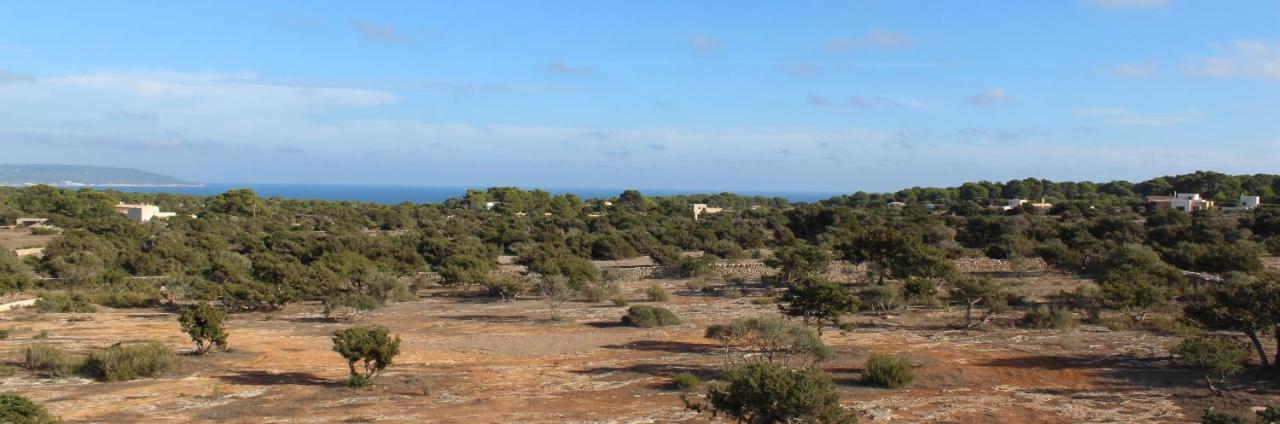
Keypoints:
pixel 393 194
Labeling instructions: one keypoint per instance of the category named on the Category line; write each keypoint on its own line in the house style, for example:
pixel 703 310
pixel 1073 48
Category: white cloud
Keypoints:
pixel 379 33
pixel 703 42
pixel 1125 117
pixel 1134 70
pixel 10 77
pixel 1129 5
pixel 566 69
pixel 240 87
pixel 874 38
pixel 990 98
pixel 1244 58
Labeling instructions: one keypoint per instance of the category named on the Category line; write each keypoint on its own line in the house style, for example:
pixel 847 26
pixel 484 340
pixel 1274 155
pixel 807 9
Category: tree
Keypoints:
pixel 371 346
pixel 766 393
pixel 1219 357
pixel 1239 302
pixel 817 301
pixel 974 292
pixel 1135 281
pixel 464 270
pixel 555 291
pixel 204 323
pixel 799 261
pixel 768 339
pixel 14 275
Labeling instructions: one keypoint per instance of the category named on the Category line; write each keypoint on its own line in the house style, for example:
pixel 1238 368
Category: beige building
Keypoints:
pixel 142 212
pixel 1180 201
pixel 702 208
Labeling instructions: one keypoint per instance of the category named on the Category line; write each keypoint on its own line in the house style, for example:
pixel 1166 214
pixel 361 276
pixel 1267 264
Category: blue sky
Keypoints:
pixel 824 96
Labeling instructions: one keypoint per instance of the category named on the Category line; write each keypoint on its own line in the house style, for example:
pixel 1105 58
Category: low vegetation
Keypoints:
pixel 771 393
pixel 17 409
pixel 124 362
pixel 205 324
pixel 645 316
pixel 370 347
pixel 891 372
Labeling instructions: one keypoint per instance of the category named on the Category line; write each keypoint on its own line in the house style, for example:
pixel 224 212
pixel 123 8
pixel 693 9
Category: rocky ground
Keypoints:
pixel 482 361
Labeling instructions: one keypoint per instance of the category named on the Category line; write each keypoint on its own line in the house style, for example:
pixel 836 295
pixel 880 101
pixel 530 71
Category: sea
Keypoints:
pixel 393 194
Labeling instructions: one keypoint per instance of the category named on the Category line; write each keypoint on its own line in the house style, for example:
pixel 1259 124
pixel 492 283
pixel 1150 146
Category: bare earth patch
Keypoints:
pixel 470 361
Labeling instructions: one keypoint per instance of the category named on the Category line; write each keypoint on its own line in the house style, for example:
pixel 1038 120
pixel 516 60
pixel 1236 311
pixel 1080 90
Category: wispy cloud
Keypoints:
pixel 703 43
pixel 379 33
pixel 863 102
pixel 1126 117
pixel 1244 58
pixel 241 87
pixel 990 98
pixel 141 116
pixel 1134 70
pixel 1128 5
pixel 798 70
pixel 874 38
pixel 10 77
pixel 566 69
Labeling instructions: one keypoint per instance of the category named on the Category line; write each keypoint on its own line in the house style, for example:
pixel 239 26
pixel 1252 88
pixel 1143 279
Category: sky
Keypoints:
pixel 871 95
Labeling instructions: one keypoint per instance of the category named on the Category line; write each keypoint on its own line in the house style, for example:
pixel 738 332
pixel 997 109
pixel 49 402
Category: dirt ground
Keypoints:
pixel 19 238
pixel 484 361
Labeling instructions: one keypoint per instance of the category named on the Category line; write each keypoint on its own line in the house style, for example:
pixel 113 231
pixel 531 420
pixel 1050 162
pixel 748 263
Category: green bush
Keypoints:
pixel 686 382
pixel 1043 317
pixel 504 286
pixel 8 370
pixel 649 316
pixel 122 362
pixel 696 284
pixel 770 393
pixel 371 346
pixel 4 333
pixel 620 300
pixel 656 293
pixel 1214 417
pixel 888 371
pixel 731 292
pixel 17 409
pixel 1219 357
pixel 64 302
pixel 204 323
pixel 49 360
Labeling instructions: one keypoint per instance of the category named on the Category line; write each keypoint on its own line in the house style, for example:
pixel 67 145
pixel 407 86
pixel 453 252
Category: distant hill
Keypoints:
pixel 79 175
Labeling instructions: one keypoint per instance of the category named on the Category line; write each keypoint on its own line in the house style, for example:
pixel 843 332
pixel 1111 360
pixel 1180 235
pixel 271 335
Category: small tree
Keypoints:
pixel 14 275
pixel 767 393
pixel 1219 357
pixel 888 371
pixel 800 261
pixel 974 292
pixel 1239 302
pixel 204 323
pixel 371 346
pixel 555 291
pixel 817 301
pixel 768 339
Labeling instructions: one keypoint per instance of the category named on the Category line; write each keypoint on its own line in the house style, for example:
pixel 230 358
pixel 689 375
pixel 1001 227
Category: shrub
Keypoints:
pixel 732 293
pixel 64 302
pixel 371 346
pixel 600 291
pixel 17 409
pixel 346 306
pixel 8 370
pixel 880 299
pixel 126 299
pixel 620 300
pixel 770 393
pixel 921 291
pixel 1269 415
pixel 686 382
pixel 4 334
pixel 649 316
pixel 504 286
pixel 1214 417
pixel 768 339
pixel 204 323
pixel 696 284
pixel 1043 317
pixel 1219 357
pixel 764 300
pixel 888 371
pixel 49 360
pixel 122 362
pixel 656 293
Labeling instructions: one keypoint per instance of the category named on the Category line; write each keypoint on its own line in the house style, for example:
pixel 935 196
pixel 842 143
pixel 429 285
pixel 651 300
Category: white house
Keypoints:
pixel 701 208
pixel 1181 201
pixel 142 212
pixel 1250 202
